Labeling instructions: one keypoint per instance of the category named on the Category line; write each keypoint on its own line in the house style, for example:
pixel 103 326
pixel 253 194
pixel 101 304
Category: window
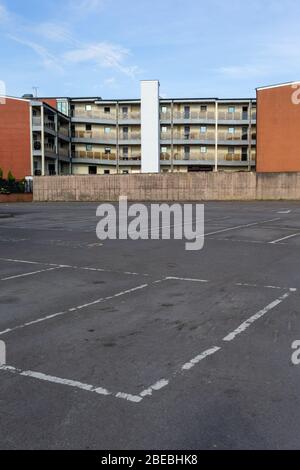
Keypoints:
pixel 187 110
pixel 89 148
pixel 203 108
pixel 231 130
pixel 231 109
pixel 125 172
pixel 92 170
pixel 107 172
pixel 187 151
pixel 244 154
pixel 88 107
pixel 164 129
pixel 125 152
pixel 107 110
pixel 88 127
pixel 107 130
pixel 164 150
pixel 164 109
pixel 107 150
pixel 125 110
pixel 203 129
pixel 231 150
pixel 203 149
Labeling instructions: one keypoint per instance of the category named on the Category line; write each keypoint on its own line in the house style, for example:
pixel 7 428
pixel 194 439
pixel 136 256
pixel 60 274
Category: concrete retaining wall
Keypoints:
pixel 171 187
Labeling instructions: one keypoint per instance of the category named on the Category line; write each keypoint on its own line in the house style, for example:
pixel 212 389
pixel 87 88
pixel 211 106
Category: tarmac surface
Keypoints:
pixel 127 344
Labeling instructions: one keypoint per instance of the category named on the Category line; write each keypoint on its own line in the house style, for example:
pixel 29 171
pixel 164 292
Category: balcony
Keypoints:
pixel 64 152
pixel 193 137
pixel 130 137
pixel 130 116
pixel 64 131
pixel 165 156
pixel 200 116
pixel 94 137
pixel 194 156
pixel 94 156
pixel 133 157
pixel 36 121
pixel 236 116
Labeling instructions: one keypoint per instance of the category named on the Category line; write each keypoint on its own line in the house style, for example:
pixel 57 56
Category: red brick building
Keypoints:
pixel 15 140
pixel 278 128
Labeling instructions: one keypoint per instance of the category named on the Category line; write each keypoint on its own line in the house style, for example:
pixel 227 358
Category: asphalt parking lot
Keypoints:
pixel 143 345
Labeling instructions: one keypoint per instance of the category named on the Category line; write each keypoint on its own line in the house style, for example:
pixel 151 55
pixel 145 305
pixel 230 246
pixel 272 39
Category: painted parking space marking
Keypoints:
pixel 73 309
pixel 84 268
pixel 237 227
pixel 31 274
pixel 274 242
pixel 162 383
pixel 245 325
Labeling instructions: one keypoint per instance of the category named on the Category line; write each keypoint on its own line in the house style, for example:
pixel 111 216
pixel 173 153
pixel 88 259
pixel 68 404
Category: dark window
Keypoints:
pixel 92 170
pixel 107 110
pixel 88 127
pixel 107 172
pixel 203 108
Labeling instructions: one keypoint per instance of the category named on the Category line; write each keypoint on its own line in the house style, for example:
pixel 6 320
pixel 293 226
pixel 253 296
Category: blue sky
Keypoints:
pixel 196 48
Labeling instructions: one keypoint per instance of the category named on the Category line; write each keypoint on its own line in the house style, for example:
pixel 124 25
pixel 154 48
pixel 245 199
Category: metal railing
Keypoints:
pixel 94 155
pixel 112 116
pixel 185 136
pixel 36 120
pixel 195 115
pixel 131 157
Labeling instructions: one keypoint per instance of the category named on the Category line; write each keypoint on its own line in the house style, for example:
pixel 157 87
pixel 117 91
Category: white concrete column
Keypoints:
pixel 43 139
pixel 216 136
pixel 150 131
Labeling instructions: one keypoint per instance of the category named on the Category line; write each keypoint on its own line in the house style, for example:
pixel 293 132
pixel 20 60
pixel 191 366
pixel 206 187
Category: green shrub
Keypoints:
pixel 10 177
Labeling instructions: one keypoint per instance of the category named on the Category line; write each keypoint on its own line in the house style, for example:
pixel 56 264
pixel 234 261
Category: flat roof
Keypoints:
pixel 278 85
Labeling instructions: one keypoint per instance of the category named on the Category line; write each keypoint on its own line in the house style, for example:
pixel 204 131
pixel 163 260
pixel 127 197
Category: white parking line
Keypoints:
pixel 161 384
pixel 73 309
pixel 84 268
pixel 71 383
pixel 244 326
pixel 31 274
pixel 241 226
pixel 284 238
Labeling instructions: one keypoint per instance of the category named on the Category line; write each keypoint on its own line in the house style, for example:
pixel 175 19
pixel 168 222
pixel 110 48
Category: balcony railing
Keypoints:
pixel 130 136
pixel 199 156
pixel 50 148
pixel 64 152
pixel 94 155
pixel 36 120
pixel 50 125
pixel 96 114
pixel 191 136
pixel 134 115
pixel 132 157
pixel 236 116
pixel 165 156
pixel 64 131
pixel 195 115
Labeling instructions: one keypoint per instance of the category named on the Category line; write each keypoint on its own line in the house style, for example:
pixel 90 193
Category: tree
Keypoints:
pixel 10 177
pixel 1 174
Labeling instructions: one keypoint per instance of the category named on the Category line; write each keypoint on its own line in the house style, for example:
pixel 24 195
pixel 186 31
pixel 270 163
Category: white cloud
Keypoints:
pixel 54 32
pixel 4 14
pixel 105 55
pixel 49 60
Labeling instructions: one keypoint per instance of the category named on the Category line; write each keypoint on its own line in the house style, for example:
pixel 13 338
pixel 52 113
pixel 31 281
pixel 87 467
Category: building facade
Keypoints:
pixel 278 142
pixel 84 136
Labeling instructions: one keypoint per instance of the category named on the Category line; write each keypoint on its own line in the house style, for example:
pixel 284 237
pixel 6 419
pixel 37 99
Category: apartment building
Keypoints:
pixel 34 138
pixel 194 135
pixel 91 135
